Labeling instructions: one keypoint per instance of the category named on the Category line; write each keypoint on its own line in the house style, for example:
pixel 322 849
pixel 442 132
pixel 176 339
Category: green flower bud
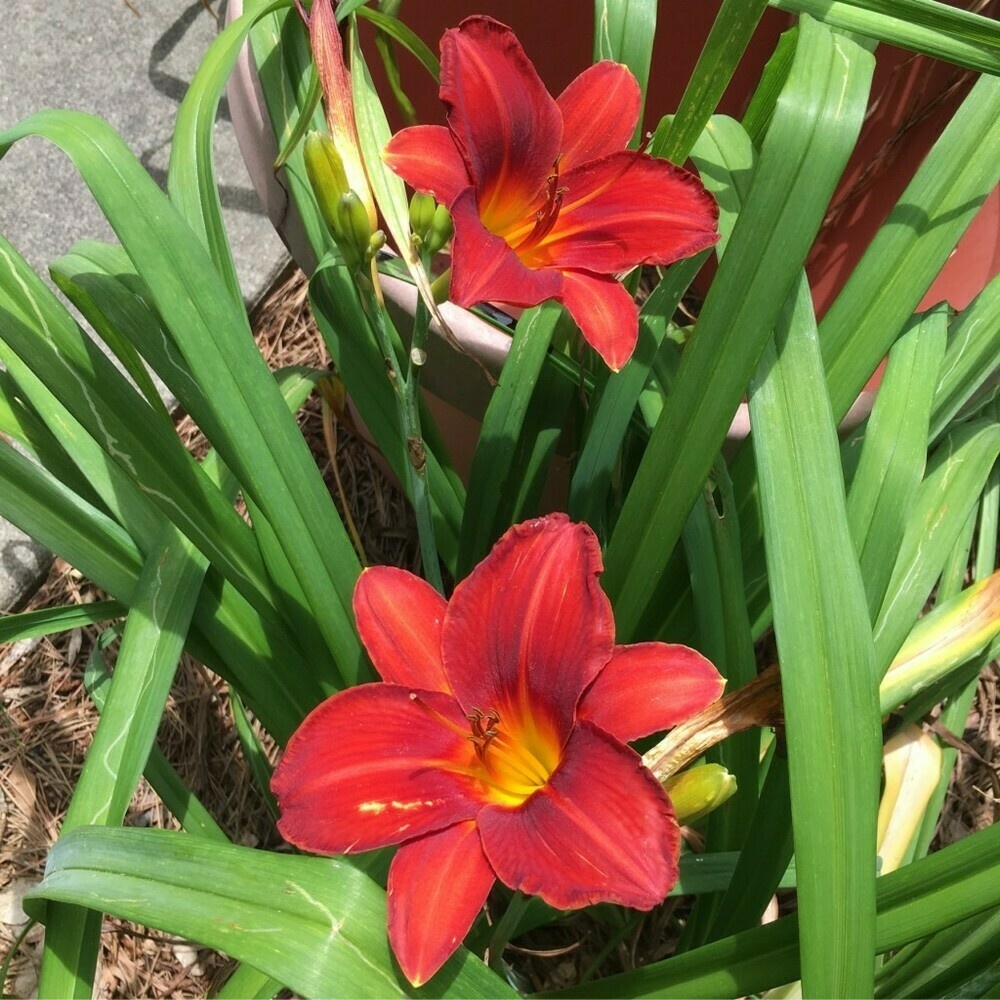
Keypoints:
pixel 375 243
pixel 421 214
pixel 698 790
pixel 355 229
pixel 326 173
pixel 440 231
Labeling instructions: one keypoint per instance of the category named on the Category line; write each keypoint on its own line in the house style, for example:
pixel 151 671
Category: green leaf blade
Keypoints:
pixel 316 924
pixel 827 658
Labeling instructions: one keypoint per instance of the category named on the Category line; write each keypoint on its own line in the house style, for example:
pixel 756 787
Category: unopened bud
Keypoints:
pixel 355 229
pixel 326 173
pixel 421 214
pixel 698 790
pixel 441 230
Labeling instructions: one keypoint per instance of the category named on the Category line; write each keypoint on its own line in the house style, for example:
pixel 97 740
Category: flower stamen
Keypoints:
pixel 548 214
pixel 482 736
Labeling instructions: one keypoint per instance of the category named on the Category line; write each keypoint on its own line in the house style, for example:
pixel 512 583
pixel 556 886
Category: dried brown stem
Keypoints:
pixel 756 704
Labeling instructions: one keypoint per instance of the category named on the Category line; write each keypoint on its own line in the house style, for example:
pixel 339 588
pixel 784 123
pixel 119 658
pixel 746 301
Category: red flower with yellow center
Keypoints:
pixel 546 200
pixel 495 746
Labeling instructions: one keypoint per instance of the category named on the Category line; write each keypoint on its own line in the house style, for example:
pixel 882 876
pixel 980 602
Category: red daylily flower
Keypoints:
pixel 546 200
pixel 495 745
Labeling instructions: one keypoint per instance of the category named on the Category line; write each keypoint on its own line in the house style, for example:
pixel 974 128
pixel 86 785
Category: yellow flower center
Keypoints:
pixel 513 761
pixel 523 233
pixel 515 754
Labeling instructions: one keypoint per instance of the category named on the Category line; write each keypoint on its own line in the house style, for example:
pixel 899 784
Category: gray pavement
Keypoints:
pixel 132 70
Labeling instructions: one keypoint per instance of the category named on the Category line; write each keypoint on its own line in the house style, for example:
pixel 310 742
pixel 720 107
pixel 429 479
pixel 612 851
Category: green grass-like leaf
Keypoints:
pixel 315 924
pixel 935 29
pixel 912 245
pixel 827 659
pixel 260 441
pixel 894 451
pixel 51 621
pixel 813 131
pixel 731 32
pixel 152 642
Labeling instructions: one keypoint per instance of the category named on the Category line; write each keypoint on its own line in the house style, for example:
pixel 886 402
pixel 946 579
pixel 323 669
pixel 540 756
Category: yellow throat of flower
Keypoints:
pixel 513 758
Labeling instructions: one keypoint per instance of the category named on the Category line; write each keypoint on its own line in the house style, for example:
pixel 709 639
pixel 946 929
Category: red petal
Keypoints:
pixel 649 687
pixel 505 123
pixel 399 620
pixel 530 627
pixel 485 269
pixel 605 312
pixel 600 109
pixel 366 769
pixel 601 830
pixel 427 158
pixel 437 886
pixel 628 209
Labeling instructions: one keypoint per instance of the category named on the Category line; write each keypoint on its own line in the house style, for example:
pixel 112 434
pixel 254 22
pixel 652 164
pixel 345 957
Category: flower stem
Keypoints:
pixel 504 929
pixel 406 390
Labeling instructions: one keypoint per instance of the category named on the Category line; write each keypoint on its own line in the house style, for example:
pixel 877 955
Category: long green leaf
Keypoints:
pixel 935 29
pixel 152 643
pixel 102 282
pixel 956 475
pixel 945 961
pixel 827 658
pixel 69 379
pixel 282 56
pixel 233 643
pixel 248 982
pixel 814 129
pixel 884 289
pixel 50 621
pixel 401 33
pixel 894 452
pixel 182 803
pixel 732 651
pixel 972 356
pixel 261 444
pixel 912 245
pixel 731 32
pixel 316 924
pixel 42 507
pixel 613 404
pixel 766 853
pixel 259 655
pixel 191 179
pixel 956 713
pixel 20 423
